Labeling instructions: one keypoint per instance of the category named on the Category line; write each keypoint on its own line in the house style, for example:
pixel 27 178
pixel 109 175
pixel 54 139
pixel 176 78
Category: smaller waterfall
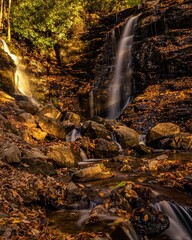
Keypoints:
pixel 73 135
pixel 21 79
pixel 91 103
pixel 180 220
pixel 121 87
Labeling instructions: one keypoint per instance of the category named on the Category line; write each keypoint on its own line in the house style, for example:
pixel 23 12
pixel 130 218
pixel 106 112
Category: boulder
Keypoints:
pixel 73 118
pixel 91 173
pixel 163 130
pixel 62 154
pixel 105 148
pixel 51 126
pixel 50 111
pixel 161 134
pixel 95 130
pixel 126 136
pixel 182 141
pixel 10 152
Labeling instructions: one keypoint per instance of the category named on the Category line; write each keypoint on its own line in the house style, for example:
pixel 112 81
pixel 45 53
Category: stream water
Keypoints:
pixel 173 203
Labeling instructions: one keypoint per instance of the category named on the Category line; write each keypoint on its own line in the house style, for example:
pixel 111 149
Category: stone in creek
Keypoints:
pixel 104 148
pixel 62 154
pixel 182 141
pixel 95 130
pixel 126 136
pixel 162 131
pixel 149 222
pixel 91 173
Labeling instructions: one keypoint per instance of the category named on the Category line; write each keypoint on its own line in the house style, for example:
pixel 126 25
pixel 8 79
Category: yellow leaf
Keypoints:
pixel 16 220
pixel 146 218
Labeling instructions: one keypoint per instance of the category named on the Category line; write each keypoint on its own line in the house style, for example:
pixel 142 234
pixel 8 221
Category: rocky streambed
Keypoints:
pixel 100 181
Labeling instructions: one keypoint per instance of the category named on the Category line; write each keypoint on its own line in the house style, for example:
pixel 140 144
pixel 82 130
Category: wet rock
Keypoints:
pixel 126 168
pixel 10 152
pixel 95 130
pixel 50 111
pixel 73 118
pixel 104 148
pixel 51 126
pixel 73 196
pixel 127 137
pixel 91 173
pixel 124 159
pixel 149 222
pixel 62 154
pixel 182 141
pixel 142 149
pixel 162 131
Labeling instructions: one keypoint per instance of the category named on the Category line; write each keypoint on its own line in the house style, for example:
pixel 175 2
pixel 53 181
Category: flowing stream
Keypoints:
pixel 121 88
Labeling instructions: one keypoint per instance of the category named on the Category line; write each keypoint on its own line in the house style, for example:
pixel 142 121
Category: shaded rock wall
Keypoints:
pixel 162 67
pixel 7 71
pixel 162 60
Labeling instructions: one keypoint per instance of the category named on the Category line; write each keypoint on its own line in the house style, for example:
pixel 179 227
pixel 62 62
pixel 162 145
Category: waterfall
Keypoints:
pixel 21 79
pixel 73 135
pixel 121 86
pixel 180 220
pixel 91 103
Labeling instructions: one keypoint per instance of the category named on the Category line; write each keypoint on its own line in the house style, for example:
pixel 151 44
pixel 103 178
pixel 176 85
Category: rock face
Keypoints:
pixel 162 67
pixel 7 71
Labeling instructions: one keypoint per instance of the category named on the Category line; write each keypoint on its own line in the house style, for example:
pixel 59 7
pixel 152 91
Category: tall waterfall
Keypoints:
pixel 121 86
pixel 21 79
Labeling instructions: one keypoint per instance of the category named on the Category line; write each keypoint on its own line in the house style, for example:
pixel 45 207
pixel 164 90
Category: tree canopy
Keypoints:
pixel 46 22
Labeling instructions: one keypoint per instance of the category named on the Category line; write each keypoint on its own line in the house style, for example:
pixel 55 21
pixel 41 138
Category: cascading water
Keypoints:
pixel 121 86
pixel 180 220
pixel 21 79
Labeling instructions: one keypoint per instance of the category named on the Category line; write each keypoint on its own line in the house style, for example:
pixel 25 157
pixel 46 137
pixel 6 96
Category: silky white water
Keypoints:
pixel 21 79
pixel 121 86
pixel 180 220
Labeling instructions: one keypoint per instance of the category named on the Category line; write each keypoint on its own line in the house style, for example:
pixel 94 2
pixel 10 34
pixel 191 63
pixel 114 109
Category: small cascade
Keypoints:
pixel 21 79
pixel 91 103
pixel 114 139
pixel 121 86
pixel 73 135
pixel 180 220
pixel 142 139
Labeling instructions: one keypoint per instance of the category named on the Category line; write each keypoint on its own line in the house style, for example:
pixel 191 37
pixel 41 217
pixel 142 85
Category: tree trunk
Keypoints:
pixel 8 22
pixel 1 15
